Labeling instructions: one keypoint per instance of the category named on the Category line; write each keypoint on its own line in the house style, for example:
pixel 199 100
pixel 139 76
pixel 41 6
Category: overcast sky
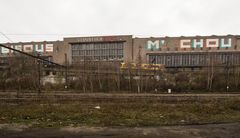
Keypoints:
pixel 37 20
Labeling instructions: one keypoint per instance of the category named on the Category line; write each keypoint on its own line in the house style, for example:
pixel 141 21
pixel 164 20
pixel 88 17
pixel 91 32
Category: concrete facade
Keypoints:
pixel 153 50
pixel 167 47
pixel 51 49
pixel 126 39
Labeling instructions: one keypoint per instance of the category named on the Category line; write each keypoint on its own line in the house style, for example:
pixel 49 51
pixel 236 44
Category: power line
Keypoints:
pixel 29 34
pixel 42 34
pixel 6 37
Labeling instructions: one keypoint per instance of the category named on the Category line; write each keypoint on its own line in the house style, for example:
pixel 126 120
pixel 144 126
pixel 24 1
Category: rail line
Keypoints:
pixel 11 97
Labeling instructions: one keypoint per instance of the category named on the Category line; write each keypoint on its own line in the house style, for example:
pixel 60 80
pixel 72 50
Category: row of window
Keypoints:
pixel 92 46
pixel 95 58
pixel 97 52
pixel 200 59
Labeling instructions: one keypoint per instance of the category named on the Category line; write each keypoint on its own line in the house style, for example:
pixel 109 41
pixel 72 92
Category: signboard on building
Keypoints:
pixel 98 39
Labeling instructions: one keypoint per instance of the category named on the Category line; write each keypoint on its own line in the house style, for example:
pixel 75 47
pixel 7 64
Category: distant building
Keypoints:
pixel 173 52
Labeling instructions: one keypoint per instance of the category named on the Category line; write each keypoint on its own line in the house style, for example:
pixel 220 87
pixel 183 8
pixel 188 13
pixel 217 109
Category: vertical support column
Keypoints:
pixel 66 72
pixel 39 74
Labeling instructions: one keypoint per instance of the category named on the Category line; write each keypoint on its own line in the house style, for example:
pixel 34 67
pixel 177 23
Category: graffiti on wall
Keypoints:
pixel 192 43
pixel 209 43
pixel 155 45
pixel 28 48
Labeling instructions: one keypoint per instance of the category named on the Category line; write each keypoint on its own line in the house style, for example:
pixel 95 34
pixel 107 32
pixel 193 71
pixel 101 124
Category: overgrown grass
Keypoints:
pixel 120 114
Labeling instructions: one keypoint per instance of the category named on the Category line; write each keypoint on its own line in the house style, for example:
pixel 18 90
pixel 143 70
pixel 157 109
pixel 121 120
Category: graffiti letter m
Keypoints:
pixel 153 45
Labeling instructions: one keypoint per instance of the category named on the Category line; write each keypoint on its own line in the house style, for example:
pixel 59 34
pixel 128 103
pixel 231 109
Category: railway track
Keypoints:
pixel 12 97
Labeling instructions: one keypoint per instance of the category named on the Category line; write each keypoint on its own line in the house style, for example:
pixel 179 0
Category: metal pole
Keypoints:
pixel 66 72
pixel 228 73
pixel 39 74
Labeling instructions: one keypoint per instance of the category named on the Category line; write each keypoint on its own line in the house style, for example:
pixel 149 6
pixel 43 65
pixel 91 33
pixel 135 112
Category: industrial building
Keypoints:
pixel 172 52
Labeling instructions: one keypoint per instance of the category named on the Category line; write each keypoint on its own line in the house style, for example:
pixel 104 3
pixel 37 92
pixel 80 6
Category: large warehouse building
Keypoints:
pixel 173 52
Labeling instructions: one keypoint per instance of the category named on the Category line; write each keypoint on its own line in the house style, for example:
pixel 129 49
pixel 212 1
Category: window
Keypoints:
pixel 98 51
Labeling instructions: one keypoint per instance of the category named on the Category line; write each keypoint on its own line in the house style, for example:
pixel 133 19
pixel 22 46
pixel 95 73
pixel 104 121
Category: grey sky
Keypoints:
pixel 26 20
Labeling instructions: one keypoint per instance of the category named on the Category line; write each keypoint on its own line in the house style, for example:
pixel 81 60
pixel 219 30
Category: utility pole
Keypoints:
pixel 66 72
pixel 39 73
pixel 227 69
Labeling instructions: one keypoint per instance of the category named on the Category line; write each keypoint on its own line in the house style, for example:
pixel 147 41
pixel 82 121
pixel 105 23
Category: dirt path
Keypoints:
pixel 195 131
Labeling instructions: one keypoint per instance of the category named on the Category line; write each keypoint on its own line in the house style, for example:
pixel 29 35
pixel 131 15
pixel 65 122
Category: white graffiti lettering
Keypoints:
pixel 154 45
pixel 28 48
pixel 209 43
